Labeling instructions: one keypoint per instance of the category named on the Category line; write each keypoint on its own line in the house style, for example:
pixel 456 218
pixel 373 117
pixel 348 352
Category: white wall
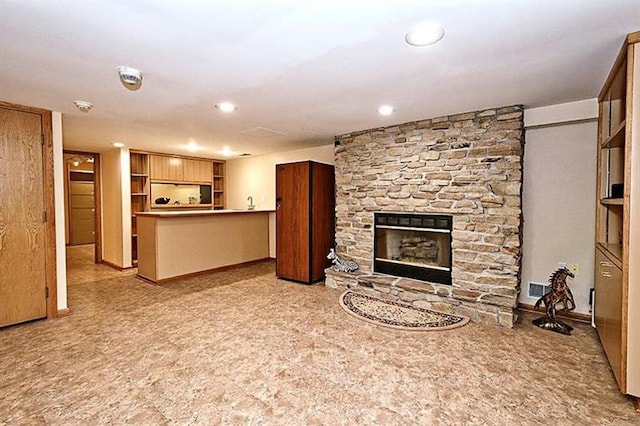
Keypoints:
pixel 256 177
pixel 59 198
pixel 559 200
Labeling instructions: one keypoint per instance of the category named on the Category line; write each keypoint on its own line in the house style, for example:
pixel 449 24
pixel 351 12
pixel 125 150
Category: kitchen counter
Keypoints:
pixel 174 244
pixel 183 213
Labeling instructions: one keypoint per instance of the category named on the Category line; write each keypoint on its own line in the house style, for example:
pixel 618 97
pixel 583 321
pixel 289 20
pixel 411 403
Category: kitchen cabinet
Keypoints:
pixel 305 220
pixel 177 169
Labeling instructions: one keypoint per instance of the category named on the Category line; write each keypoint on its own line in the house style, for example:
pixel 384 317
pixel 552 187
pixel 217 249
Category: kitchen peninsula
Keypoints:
pixel 173 244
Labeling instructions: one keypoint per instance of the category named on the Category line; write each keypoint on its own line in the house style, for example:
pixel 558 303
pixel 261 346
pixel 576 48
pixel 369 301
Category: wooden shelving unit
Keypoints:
pixel 218 195
pixel 140 193
pixel 617 275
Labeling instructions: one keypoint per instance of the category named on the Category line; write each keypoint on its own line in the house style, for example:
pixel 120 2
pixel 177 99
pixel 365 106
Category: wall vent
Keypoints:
pixel 537 290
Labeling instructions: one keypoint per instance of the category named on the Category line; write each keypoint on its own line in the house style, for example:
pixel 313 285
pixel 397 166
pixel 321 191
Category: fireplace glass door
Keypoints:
pixel 414 246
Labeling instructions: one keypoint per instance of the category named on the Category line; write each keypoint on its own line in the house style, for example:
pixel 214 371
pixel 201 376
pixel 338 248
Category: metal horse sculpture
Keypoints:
pixel 560 294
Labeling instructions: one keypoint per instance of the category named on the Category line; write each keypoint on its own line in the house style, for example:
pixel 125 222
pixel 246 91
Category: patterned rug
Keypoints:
pixel 396 314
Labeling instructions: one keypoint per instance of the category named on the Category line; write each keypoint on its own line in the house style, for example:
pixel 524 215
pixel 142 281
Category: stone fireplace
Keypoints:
pixel 467 167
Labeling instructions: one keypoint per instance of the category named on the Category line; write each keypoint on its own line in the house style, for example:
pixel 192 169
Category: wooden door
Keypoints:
pixel 292 221
pixel 81 212
pixel 22 228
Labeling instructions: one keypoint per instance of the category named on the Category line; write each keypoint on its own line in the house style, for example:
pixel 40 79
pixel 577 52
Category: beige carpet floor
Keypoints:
pixel 241 347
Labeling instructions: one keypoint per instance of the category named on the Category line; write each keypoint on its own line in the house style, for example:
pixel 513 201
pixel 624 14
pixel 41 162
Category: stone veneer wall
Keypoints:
pixel 467 165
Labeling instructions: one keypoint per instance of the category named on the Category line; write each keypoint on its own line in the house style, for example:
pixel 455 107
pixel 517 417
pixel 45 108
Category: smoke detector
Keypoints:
pixel 131 78
pixel 83 106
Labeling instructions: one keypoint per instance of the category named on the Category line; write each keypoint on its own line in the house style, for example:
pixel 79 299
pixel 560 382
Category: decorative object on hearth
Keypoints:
pixel 397 315
pixel 560 294
pixel 339 264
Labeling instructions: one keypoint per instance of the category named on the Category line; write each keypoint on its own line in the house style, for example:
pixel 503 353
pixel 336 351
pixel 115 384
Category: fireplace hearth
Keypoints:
pixel 414 246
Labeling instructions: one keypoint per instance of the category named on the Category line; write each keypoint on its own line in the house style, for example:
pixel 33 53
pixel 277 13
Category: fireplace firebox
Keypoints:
pixel 413 245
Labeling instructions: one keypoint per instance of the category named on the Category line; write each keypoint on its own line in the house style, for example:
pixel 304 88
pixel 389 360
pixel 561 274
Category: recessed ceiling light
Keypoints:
pixel 117 144
pixel 424 35
pixel 83 106
pixel 192 146
pixel 226 151
pixel 386 110
pixel 226 107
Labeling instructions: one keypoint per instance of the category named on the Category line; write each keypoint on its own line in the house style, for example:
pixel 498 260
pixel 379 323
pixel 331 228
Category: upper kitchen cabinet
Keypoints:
pixel 178 169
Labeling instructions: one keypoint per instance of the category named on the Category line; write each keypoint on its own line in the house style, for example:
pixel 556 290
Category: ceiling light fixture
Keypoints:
pixel 192 146
pixel 117 144
pixel 83 106
pixel 131 78
pixel 226 107
pixel 424 35
pixel 226 151
pixel 386 110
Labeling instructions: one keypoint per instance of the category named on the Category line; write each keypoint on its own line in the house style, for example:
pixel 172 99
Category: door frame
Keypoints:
pixel 48 175
pixel 97 202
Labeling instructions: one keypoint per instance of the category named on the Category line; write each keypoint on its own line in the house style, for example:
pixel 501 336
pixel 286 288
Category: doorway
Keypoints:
pixel 82 200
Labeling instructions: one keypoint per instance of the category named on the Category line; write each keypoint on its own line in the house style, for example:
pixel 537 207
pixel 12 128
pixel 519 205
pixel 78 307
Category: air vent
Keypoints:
pixel 261 133
pixel 537 290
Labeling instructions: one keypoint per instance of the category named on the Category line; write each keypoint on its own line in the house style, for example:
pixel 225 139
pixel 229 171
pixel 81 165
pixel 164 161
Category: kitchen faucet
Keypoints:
pixel 250 199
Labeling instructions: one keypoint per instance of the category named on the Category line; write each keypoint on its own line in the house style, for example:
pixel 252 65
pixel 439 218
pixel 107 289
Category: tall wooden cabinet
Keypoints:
pixel 617 275
pixel 305 218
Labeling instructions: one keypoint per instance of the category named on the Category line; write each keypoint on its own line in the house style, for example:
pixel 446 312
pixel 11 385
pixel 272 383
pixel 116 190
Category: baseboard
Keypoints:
pixel 574 316
pixel 63 312
pixel 206 271
pixel 116 267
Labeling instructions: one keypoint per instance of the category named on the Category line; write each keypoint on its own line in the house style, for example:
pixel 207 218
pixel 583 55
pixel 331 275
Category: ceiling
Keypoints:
pixel 300 72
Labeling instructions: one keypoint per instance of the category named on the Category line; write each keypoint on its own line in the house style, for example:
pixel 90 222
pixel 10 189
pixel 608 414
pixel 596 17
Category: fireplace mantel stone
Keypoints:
pixel 466 165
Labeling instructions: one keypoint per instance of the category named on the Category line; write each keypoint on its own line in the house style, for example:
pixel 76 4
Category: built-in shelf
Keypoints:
pixel 139 175
pixel 612 201
pixel 617 137
pixel 614 251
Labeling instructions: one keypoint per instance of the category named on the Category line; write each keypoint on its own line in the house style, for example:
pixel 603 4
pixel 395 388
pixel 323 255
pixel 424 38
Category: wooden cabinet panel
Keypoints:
pixel 197 171
pixel 305 200
pixel 167 169
pixel 292 221
pixel 608 311
pixel 175 169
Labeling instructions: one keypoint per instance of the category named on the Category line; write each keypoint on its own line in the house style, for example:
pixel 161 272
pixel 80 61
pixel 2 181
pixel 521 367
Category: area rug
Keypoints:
pixel 397 315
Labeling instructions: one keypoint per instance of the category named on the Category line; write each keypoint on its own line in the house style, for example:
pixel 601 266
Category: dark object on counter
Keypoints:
pixel 617 190
pixel 162 200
